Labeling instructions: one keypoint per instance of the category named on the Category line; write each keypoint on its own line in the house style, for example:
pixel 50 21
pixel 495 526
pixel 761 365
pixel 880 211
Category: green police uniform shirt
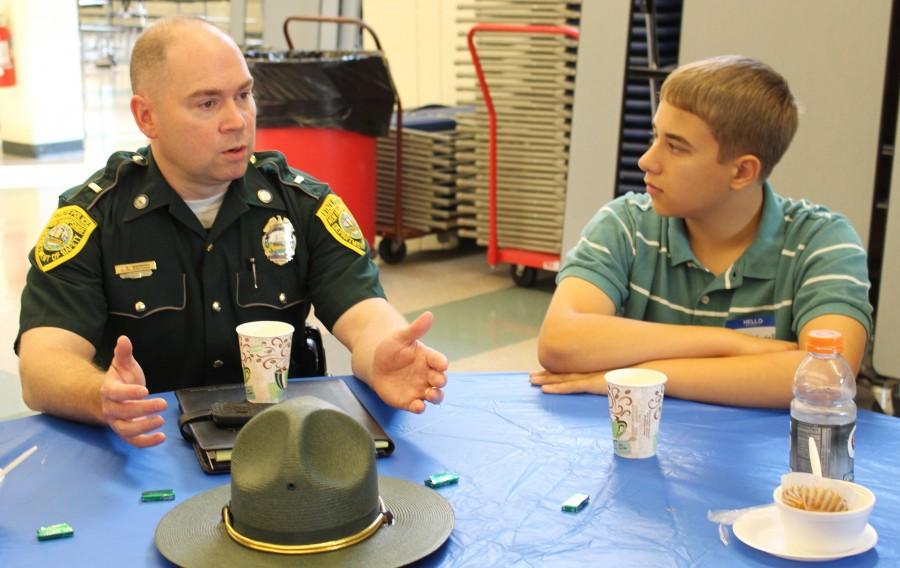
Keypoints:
pixel 124 255
pixel 805 262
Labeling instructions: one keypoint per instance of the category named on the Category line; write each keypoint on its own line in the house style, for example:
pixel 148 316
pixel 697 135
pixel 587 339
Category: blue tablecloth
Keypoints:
pixel 519 454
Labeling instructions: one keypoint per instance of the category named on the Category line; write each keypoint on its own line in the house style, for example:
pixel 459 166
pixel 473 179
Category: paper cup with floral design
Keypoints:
pixel 265 358
pixel 635 407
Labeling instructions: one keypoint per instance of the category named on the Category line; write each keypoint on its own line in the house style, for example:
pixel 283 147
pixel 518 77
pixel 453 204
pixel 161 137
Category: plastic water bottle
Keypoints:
pixel 823 407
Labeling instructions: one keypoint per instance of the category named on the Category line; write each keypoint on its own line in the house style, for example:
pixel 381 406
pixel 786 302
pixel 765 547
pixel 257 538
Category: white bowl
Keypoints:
pixel 819 533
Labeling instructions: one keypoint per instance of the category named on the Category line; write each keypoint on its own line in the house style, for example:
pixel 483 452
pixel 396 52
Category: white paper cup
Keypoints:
pixel 265 358
pixel 635 407
pixel 814 532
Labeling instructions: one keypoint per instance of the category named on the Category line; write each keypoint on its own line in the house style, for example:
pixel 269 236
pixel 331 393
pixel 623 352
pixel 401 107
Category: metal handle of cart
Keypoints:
pixel 494 253
pixel 398 161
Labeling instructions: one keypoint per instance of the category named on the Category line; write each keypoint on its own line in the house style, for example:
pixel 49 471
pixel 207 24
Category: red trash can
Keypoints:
pixel 343 159
pixel 323 110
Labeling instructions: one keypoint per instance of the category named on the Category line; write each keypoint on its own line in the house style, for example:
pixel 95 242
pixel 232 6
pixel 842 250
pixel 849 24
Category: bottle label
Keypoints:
pixel 835 445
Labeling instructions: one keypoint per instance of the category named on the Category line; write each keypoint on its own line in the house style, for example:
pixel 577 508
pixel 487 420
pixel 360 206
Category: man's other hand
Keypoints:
pixel 124 403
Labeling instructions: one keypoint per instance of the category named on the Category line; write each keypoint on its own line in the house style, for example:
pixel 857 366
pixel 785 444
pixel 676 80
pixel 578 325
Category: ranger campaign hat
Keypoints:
pixel 305 492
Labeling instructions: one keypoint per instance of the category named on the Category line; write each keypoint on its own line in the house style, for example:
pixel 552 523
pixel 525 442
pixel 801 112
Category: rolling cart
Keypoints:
pixel 524 263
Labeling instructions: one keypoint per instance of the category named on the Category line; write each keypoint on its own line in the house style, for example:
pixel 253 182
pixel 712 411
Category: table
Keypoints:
pixel 519 454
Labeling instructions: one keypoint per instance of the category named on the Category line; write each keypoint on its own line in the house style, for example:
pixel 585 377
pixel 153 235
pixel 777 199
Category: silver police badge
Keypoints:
pixel 279 242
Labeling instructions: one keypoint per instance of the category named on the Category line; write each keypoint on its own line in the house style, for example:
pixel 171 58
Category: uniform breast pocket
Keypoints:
pixel 269 287
pixel 142 297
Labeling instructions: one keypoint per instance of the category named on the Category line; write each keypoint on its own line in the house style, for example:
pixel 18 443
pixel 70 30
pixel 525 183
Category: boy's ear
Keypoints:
pixel 746 171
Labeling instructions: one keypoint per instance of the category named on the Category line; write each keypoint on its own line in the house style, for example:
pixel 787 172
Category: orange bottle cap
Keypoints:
pixel 825 341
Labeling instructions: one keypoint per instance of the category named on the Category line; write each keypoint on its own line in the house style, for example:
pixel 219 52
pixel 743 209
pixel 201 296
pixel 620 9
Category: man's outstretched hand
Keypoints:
pixel 405 372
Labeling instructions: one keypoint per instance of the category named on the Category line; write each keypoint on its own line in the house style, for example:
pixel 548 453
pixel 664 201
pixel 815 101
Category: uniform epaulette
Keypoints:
pixel 89 193
pixel 272 163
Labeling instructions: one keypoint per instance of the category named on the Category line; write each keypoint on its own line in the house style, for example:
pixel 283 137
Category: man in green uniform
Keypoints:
pixel 157 257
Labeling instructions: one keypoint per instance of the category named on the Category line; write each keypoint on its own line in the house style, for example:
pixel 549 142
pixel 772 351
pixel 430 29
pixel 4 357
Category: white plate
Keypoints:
pixel 761 529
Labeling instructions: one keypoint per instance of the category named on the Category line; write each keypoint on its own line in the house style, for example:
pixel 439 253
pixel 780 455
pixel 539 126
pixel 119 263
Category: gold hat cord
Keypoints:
pixel 384 518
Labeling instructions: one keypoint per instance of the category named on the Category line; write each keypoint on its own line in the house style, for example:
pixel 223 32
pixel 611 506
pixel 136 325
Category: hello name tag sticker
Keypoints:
pixel 64 236
pixel 757 326
pixel 340 223
pixel 279 241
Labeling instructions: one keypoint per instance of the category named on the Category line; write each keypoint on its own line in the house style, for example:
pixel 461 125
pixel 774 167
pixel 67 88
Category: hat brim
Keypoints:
pixel 192 534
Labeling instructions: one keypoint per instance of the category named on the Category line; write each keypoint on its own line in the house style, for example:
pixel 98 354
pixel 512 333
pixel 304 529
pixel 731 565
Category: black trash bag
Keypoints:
pixel 321 89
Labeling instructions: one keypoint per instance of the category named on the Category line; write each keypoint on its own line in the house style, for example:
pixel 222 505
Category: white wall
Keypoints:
pixel 833 54
pixel 597 114
pixel 45 106
pixel 420 40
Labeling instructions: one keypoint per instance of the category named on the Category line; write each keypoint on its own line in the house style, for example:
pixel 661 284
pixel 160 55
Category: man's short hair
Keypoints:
pixel 148 56
pixel 747 105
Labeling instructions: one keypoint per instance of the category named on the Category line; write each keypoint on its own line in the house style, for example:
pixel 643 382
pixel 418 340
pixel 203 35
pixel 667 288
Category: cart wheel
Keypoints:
pixel 523 276
pixel 392 251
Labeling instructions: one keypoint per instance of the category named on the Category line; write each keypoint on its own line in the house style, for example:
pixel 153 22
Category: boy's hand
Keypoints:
pixel 568 383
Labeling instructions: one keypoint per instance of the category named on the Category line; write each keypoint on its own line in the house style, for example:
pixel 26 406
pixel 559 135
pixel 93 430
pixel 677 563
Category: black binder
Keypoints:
pixel 213 444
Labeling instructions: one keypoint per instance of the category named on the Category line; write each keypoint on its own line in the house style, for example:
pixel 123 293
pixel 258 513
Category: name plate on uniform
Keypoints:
pixel 135 269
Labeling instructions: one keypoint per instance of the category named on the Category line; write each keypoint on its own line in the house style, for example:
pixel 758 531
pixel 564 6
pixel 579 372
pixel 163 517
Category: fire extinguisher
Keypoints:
pixel 7 70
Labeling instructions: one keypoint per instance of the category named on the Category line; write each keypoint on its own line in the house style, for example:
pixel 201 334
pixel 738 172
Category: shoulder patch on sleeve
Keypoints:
pixel 64 236
pixel 340 223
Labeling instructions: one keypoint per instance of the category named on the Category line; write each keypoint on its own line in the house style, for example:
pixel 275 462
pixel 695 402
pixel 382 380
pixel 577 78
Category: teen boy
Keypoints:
pixel 710 276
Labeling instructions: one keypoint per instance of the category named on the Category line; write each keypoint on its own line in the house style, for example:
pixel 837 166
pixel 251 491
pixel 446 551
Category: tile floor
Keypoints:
pixel 483 321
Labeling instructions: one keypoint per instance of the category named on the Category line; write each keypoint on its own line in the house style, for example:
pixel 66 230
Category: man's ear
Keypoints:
pixel 144 116
pixel 746 171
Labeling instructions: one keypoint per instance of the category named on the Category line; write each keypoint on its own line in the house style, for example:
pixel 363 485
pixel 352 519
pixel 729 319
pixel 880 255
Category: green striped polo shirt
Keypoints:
pixel 805 261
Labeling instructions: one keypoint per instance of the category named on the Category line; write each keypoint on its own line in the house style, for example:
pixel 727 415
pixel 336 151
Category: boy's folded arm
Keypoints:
pixel 761 380
pixel 581 333
pixel 755 380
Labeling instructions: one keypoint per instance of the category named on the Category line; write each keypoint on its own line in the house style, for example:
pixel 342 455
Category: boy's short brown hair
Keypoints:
pixel 747 105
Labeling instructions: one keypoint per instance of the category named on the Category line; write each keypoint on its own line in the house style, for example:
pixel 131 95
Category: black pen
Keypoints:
pixel 253 270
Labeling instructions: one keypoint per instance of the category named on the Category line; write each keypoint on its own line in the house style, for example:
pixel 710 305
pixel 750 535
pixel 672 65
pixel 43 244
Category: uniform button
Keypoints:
pixel 253 158
pixel 140 306
pixel 217 364
pixel 216 306
pixel 705 299
pixel 141 201
pixel 138 159
pixel 282 298
pixel 209 247
pixel 264 195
